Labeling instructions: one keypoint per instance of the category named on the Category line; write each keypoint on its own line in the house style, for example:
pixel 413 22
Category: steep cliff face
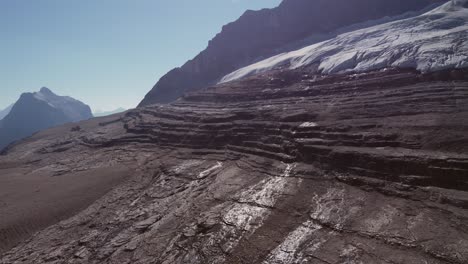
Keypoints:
pixel 285 167
pixel 260 34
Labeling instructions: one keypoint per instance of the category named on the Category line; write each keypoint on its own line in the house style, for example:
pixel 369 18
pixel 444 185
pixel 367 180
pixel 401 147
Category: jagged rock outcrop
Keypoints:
pixel 40 110
pixel 285 167
pixel 260 34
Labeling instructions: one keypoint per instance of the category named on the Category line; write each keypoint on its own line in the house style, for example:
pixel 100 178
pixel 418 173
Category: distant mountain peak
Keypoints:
pixel 100 113
pixel 46 90
pixel 46 95
pixel 39 110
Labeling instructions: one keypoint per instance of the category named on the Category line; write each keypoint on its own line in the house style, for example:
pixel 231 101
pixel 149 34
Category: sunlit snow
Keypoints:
pixel 432 41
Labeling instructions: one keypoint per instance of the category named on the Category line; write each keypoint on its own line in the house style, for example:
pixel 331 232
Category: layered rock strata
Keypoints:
pixel 283 167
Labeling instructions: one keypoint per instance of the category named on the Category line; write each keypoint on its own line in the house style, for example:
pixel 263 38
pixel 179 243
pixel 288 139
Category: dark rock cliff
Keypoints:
pixel 260 34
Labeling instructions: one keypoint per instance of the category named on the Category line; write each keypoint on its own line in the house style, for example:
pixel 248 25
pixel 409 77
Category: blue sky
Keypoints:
pixel 107 53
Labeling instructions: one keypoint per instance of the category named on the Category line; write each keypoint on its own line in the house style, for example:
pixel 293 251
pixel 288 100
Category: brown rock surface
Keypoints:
pixel 285 167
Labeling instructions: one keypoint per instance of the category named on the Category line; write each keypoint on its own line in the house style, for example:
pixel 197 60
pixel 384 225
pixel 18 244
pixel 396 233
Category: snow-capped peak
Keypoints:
pixel 47 91
pixel 70 106
pixel 46 95
pixel 432 41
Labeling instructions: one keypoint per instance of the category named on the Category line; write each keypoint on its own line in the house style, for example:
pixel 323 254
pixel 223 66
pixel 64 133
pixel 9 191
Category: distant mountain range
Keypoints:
pixel 106 113
pixel 257 35
pixel 37 111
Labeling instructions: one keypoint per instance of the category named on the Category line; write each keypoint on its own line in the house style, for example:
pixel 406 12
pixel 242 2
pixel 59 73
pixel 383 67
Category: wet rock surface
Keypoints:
pixel 285 167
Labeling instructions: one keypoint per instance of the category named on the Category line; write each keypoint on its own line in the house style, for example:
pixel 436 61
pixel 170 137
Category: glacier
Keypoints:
pixel 435 40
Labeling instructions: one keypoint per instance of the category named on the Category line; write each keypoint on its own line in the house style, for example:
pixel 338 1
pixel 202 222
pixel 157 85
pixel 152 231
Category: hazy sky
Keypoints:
pixel 107 53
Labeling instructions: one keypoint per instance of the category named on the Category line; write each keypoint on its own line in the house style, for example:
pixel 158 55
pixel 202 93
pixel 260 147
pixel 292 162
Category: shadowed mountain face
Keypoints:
pixel 284 167
pixel 5 112
pixel 37 111
pixel 260 34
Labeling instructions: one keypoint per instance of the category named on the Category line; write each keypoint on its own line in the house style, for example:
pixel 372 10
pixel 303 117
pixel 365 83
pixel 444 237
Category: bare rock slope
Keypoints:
pixel 284 167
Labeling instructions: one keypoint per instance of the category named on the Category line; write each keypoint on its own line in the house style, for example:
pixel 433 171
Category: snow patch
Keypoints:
pixel 266 191
pixel 433 41
pixel 207 172
pixel 248 214
pixel 287 251
pixel 184 166
pixel 308 124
